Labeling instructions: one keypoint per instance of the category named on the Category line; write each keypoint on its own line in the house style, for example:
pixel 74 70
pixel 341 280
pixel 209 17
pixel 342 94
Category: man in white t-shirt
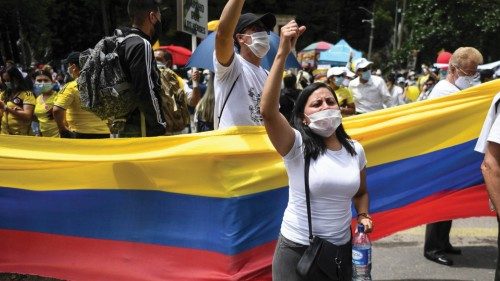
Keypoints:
pixel 239 78
pixel 489 144
pixel 370 91
pixel 462 71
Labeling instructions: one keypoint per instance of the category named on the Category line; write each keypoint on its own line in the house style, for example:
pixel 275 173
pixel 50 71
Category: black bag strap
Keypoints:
pixel 308 199
pixel 496 106
pixel 225 101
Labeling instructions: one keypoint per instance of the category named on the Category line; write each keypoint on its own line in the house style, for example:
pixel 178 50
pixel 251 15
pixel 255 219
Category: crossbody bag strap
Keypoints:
pixel 225 101
pixel 308 199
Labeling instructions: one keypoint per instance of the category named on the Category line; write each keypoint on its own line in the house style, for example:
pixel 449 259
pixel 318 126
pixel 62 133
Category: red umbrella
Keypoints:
pixel 180 54
pixel 318 46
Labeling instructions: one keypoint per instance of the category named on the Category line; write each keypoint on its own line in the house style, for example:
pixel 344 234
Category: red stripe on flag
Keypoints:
pixel 464 203
pixel 92 259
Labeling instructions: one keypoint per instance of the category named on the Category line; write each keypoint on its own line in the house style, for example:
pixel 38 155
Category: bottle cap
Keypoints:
pixel 361 228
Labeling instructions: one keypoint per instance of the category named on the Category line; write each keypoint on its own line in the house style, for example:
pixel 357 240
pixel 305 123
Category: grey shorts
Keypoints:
pixel 287 256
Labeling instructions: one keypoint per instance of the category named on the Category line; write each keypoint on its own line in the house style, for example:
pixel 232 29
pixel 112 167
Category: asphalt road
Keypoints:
pixel 400 256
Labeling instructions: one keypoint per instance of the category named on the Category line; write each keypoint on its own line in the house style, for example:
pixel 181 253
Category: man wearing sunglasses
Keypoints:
pixel 462 72
pixel 239 78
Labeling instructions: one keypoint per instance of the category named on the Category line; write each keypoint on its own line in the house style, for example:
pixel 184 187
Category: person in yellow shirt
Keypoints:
pixel 44 103
pixel 335 79
pixel 73 121
pixel 16 103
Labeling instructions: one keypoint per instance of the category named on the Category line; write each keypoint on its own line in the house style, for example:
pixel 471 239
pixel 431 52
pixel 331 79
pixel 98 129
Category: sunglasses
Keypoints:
pixel 471 73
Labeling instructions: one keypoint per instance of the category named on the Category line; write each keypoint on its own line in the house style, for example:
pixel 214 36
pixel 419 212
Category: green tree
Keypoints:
pixel 433 25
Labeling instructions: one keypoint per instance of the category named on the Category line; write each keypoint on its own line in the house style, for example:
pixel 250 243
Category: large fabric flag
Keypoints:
pixel 209 206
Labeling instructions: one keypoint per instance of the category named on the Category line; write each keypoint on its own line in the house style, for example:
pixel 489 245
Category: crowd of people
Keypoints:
pixel 43 102
pixel 301 111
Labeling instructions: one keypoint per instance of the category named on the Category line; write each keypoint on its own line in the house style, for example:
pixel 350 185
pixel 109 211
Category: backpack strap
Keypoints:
pixel 225 101
pixel 121 38
pixel 496 106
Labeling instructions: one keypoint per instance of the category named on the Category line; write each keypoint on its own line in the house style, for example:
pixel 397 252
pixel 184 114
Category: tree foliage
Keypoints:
pixel 434 25
pixel 47 30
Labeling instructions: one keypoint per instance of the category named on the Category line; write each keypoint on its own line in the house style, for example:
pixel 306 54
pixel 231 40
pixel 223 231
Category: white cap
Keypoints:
pixel 335 71
pixel 441 65
pixel 400 79
pixel 361 63
pixel 349 73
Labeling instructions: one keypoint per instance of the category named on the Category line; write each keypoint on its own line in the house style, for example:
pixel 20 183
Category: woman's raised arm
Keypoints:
pixel 279 131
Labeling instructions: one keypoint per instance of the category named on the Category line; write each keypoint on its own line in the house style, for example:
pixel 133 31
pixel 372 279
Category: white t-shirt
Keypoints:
pixel 442 88
pixel 491 127
pixel 370 96
pixel 398 97
pixel 243 105
pixel 334 178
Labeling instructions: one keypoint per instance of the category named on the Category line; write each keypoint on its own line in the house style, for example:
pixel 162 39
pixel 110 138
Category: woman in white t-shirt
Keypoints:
pixel 337 173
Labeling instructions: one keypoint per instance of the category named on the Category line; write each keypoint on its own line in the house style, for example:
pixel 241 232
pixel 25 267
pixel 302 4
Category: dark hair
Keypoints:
pixel 431 78
pixel 486 74
pixel 290 80
pixel 391 77
pixel 139 9
pixel 314 145
pixel 19 84
pixel 43 72
pixel 167 56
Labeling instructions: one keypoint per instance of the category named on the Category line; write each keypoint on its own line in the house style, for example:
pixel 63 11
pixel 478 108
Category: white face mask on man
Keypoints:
pixel 325 122
pixel 464 82
pixel 260 43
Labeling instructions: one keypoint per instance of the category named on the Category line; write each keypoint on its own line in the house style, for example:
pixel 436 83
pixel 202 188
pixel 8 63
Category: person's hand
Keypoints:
pixel 290 32
pixel 66 134
pixel 196 77
pixel 366 221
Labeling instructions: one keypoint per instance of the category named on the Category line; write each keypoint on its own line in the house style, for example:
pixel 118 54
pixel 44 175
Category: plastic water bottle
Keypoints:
pixel 361 256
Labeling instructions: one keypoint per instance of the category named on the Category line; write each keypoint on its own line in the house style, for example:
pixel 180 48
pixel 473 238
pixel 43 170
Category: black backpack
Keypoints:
pixel 103 85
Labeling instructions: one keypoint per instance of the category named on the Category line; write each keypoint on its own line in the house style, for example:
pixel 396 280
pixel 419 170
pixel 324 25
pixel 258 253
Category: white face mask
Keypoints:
pixel 325 122
pixel 260 43
pixel 339 81
pixel 41 88
pixel 366 75
pixel 464 82
pixel 345 82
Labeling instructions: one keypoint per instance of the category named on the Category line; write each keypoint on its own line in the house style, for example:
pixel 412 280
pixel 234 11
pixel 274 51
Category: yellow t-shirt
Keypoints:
pixel 12 125
pixel 412 93
pixel 43 112
pixel 79 120
pixel 344 95
pixel 421 81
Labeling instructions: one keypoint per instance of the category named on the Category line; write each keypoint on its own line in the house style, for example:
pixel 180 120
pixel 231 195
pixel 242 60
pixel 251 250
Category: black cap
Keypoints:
pixel 73 58
pixel 269 21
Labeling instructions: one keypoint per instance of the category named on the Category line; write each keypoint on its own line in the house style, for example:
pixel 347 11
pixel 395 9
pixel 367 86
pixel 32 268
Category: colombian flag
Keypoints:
pixel 209 206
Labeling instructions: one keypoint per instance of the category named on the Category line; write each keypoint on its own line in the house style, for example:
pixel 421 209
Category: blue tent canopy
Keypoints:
pixel 338 55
